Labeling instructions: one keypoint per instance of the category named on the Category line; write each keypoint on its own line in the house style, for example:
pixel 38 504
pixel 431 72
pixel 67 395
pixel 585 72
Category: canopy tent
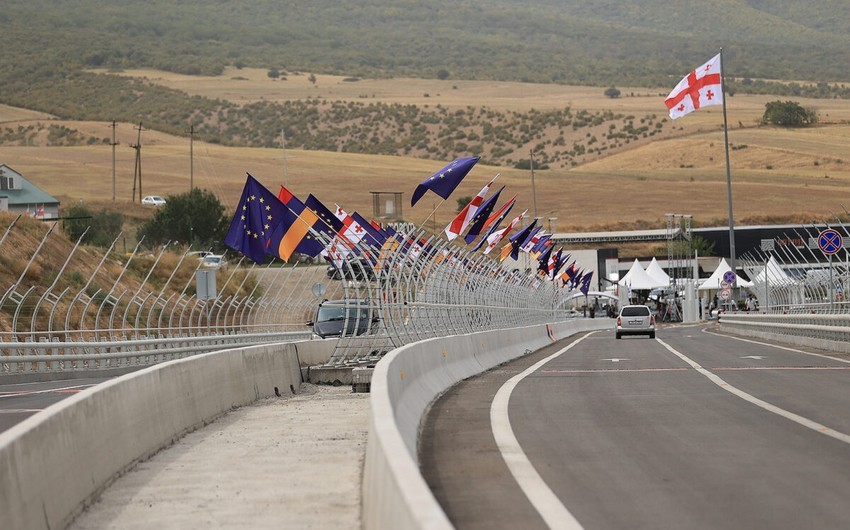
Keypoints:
pixel 713 281
pixel 638 279
pixel 774 274
pixel 656 272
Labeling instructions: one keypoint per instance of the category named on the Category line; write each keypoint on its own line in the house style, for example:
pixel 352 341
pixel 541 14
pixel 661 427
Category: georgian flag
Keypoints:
pixel 336 251
pixel 461 222
pixel 701 88
pixel 352 231
pixel 496 237
pixel 533 240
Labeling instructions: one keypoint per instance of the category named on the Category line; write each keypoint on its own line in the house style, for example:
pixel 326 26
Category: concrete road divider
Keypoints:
pixel 404 384
pixel 56 461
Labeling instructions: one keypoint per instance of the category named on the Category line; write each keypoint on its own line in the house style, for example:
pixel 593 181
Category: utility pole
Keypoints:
pixel 137 171
pixel 533 189
pixel 113 144
pixel 283 146
pixel 191 158
pixel 284 157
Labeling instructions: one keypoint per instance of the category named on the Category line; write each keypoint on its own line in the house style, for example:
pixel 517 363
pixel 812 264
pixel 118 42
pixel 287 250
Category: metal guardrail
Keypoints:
pixel 421 287
pixel 792 275
pixel 55 356
pixel 106 316
pixel 833 328
pixel 413 287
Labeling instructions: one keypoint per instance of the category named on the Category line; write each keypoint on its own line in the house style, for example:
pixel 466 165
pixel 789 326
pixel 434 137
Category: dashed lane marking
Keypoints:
pixel 805 422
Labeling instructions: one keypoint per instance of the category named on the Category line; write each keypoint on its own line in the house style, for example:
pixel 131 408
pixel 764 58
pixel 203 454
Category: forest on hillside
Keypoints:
pixel 49 47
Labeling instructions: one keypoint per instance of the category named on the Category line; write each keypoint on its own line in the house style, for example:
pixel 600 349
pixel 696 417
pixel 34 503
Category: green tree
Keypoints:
pixel 195 217
pixel 612 92
pixel 462 202
pixel 103 226
pixel 274 73
pixel 699 244
pixel 78 217
pixel 788 114
pixel 442 74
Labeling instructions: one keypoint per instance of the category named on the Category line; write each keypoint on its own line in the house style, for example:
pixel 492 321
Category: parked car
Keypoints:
pixel 153 200
pixel 353 269
pixel 213 261
pixel 635 320
pixel 353 317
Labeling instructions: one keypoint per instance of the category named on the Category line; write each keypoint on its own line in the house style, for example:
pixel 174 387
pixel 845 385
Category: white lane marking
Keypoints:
pixel 544 500
pixel 19 393
pixel 756 357
pixel 805 422
pixel 786 348
pixel 616 360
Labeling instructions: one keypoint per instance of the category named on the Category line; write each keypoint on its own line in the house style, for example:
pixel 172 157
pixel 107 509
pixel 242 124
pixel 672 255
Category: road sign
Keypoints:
pixel 725 295
pixel 829 242
pixel 729 277
pixel 724 285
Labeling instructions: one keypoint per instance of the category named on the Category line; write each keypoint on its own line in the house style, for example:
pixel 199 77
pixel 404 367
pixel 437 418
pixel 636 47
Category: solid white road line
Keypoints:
pixel 544 500
pixel 20 393
pixel 805 422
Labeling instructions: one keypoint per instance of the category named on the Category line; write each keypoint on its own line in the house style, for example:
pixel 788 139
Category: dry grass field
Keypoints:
pixel 776 173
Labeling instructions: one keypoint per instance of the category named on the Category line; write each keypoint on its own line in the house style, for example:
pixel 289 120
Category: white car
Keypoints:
pixel 153 200
pixel 213 261
pixel 635 320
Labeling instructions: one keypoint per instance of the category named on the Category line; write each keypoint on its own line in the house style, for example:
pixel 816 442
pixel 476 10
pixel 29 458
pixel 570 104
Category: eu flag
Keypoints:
pixel 543 260
pixel 500 216
pixel 444 181
pixel 517 240
pixel 585 283
pixel 481 216
pixel 330 224
pixel 256 215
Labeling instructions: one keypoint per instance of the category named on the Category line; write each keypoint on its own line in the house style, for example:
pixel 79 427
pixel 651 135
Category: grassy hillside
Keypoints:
pixel 51 52
pixel 637 42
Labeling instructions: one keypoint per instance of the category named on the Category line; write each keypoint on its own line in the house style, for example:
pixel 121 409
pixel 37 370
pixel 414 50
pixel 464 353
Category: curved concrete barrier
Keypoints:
pixel 404 384
pixel 56 461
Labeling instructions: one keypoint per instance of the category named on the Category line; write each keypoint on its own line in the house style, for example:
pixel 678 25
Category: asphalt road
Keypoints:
pixel 22 400
pixel 694 430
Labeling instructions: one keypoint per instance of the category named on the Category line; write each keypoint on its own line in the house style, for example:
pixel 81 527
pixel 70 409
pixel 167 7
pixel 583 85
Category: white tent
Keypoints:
pixel 657 273
pixel 774 273
pixel 713 281
pixel 638 279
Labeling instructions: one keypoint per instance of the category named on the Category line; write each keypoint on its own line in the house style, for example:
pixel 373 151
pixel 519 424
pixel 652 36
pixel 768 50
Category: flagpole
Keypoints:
pixel 728 170
pixel 430 214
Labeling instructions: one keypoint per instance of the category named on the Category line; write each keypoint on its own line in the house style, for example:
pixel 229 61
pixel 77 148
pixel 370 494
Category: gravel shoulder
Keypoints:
pixel 292 462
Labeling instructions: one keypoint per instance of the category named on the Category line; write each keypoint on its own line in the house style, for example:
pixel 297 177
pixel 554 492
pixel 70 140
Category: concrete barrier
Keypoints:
pixel 404 384
pixel 56 461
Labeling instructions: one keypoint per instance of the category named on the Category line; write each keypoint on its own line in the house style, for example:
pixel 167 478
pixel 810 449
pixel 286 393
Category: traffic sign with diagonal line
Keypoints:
pixel 829 241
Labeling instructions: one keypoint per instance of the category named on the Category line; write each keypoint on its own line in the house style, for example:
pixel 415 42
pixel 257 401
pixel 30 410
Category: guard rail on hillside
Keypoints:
pixel 140 308
pixel 411 287
pixel 418 286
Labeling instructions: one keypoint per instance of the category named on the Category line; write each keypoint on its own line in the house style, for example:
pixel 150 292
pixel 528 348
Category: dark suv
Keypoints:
pixel 355 269
pixel 354 317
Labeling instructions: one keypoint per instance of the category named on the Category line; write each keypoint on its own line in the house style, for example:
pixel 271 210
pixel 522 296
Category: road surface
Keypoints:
pixel 693 430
